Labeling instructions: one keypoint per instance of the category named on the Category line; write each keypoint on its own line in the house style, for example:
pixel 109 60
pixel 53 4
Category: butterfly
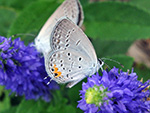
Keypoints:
pixel 72 56
pixel 72 9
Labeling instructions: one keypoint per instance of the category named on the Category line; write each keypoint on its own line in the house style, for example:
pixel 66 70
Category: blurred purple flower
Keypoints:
pixel 115 93
pixel 22 70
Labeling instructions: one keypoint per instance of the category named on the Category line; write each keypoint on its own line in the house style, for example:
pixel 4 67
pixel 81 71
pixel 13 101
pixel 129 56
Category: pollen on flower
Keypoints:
pixel 115 92
pixel 94 95
pixel 147 88
pixel 89 97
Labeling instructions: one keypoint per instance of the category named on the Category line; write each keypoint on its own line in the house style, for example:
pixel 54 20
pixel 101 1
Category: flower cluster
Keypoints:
pixel 22 70
pixel 115 92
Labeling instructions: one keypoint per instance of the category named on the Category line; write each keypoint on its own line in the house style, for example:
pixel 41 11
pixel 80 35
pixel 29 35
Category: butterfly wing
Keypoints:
pixel 69 8
pixel 72 55
pixel 68 35
pixel 65 66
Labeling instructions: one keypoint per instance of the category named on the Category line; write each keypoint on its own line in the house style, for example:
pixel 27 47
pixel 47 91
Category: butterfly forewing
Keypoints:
pixel 70 9
pixel 67 35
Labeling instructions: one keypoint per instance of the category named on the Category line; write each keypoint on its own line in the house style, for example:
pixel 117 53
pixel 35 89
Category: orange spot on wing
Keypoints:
pixel 56 71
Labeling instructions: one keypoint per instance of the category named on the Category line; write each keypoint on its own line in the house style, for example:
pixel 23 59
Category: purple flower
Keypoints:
pixel 115 92
pixel 22 70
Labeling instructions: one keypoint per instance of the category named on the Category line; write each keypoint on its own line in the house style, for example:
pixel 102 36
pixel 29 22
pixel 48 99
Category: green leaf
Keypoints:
pixel 58 98
pixel 84 2
pixel 142 72
pixel 7 17
pixel 28 106
pixel 4 99
pixel 15 100
pixel 145 4
pixel 10 110
pixel 63 109
pixel 6 3
pixel 126 61
pixel 73 94
pixel 67 109
pixel 32 19
pixel 60 104
pixel 60 1
pixel 116 21
pixel 108 47
pixel 18 4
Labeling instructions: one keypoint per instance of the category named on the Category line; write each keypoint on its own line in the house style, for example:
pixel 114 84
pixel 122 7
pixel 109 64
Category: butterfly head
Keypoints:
pixel 101 63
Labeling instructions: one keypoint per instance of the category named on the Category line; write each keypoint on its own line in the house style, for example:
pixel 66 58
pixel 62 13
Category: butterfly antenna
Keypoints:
pixel 113 61
pixel 107 65
pixel 101 62
pixel 101 69
pixel 20 34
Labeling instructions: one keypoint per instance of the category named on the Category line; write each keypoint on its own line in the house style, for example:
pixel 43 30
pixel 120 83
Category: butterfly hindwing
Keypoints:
pixel 69 64
pixel 72 57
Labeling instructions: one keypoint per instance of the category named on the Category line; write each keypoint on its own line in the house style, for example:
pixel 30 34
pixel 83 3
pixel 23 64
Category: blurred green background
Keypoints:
pixel 112 26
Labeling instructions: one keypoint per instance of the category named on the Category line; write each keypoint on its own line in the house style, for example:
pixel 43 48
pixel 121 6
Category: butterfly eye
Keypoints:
pixel 100 61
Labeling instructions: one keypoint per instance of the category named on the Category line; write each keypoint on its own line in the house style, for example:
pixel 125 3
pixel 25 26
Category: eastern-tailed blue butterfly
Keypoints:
pixel 69 8
pixel 72 57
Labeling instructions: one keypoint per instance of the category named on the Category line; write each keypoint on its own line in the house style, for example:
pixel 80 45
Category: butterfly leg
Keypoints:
pixel 101 69
pixel 46 77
